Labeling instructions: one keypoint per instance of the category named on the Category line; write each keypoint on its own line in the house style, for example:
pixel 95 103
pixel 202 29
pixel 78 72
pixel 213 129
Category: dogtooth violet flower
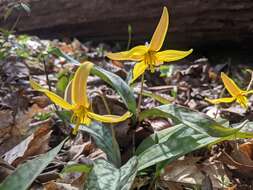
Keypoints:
pixel 80 105
pixel 148 56
pixel 236 93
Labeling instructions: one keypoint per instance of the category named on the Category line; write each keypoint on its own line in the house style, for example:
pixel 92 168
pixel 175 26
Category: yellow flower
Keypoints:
pixel 149 57
pixel 236 93
pixel 79 105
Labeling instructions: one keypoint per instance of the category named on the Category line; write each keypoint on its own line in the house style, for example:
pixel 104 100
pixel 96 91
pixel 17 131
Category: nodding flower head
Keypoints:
pixel 79 103
pixel 236 93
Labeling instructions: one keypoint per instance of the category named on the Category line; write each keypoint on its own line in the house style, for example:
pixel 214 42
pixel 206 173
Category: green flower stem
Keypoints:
pixel 140 96
pixel 114 140
pixel 138 112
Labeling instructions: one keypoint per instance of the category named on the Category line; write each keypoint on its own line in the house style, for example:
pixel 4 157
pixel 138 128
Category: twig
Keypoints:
pixel 16 22
pixel 50 88
pixel 251 81
pixel 47 79
pixel 166 88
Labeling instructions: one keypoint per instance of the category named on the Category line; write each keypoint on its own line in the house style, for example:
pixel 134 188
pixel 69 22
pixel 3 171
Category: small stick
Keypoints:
pixel 50 88
pixel 251 81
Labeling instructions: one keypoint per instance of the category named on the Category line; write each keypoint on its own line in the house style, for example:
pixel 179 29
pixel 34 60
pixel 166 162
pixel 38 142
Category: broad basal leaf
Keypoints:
pixel 172 143
pixel 196 120
pixel 57 52
pixel 105 176
pixel 26 173
pixel 195 130
pixel 103 138
pixel 157 97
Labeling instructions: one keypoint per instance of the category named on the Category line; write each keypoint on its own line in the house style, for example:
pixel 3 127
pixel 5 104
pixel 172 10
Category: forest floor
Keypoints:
pixel 29 125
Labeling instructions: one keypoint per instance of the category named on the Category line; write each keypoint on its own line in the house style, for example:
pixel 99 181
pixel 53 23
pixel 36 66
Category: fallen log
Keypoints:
pixel 192 22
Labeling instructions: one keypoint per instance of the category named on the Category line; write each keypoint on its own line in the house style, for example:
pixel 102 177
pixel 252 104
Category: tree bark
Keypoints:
pixel 192 22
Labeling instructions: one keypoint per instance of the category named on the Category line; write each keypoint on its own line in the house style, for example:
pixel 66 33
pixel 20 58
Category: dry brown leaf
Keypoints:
pixel 59 186
pixel 236 165
pixel 97 154
pixel 66 48
pixel 207 183
pixel 52 174
pixel 5 169
pixel 188 171
pixel 170 185
pixel 24 119
pixel 76 150
pixel 41 101
pixel 159 124
pixel 12 135
pixel 75 179
pixel 247 149
pixel 117 64
pixel 35 144
pixel 6 119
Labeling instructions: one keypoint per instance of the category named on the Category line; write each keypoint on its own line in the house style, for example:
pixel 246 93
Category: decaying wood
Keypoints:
pixel 192 22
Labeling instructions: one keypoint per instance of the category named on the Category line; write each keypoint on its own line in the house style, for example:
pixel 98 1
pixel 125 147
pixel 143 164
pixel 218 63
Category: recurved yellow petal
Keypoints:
pixel 53 97
pixel 79 84
pixel 109 118
pixel 86 120
pixel 139 69
pixel 160 32
pixel 67 93
pixel 243 101
pixel 247 92
pixel 134 54
pixel 220 100
pixel 172 55
pixel 230 85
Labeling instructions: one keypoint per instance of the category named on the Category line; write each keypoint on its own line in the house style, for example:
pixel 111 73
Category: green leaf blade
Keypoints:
pixel 179 141
pixel 104 140
pixel 82 168
pixel 195 130
pixel 25 174
pixel 196 120
pixel 105 176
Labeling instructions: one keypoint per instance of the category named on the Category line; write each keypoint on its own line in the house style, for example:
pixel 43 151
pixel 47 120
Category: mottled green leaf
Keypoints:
pixel 194 130
pixel 105 176
pixel 103 138
pixel 194 119
pixel 57 52
pixel 172 143
pixel 26 173
pixel 157 97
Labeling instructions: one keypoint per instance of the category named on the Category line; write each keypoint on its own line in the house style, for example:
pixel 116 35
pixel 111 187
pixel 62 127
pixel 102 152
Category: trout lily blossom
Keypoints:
pixel 236 93
pixel 79 105
pixel 148 56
